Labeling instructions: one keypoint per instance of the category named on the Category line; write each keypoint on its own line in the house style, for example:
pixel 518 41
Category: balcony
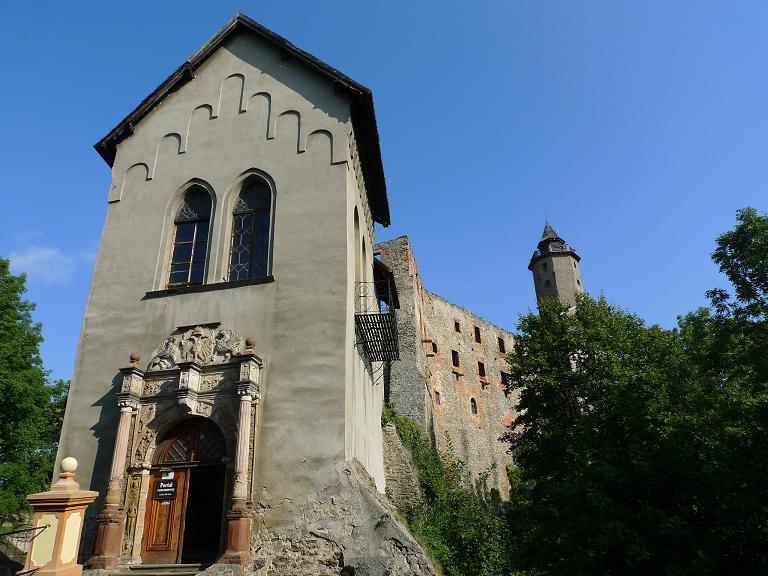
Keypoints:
pixel 375 318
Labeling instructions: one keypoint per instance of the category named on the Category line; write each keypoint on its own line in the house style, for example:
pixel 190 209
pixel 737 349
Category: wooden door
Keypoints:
pixel 164 520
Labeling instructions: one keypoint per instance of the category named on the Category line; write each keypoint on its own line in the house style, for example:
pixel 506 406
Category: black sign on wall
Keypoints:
pixel 164 490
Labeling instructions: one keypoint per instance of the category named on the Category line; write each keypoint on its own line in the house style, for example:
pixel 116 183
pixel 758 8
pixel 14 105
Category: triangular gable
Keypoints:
pixel 361 98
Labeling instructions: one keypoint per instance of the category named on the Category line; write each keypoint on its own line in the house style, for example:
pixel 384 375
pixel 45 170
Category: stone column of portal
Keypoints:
pixel 111 521
pixel 240 515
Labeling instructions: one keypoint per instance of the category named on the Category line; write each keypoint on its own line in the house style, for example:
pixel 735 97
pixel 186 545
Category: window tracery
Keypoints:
pixel 190 239
pixel 251 226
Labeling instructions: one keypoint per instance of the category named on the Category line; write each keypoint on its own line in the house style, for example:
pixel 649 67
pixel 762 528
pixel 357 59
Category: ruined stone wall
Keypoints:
pixel 472 438
pixel 426 386
pixel 402 479
pixel 406 387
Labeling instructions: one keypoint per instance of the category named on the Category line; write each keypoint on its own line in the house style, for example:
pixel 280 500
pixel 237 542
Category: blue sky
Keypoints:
pixel 636 128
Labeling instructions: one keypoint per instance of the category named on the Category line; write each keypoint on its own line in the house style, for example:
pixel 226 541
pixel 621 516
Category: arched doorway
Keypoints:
pixel 183 522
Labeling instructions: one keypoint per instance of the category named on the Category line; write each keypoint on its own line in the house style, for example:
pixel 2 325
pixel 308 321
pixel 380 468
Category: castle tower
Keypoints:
pixel 555 268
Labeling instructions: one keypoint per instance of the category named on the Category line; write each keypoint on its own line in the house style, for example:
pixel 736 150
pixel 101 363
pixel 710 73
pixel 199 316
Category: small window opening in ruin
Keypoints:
pixel 481 369
pixel 437 397
pixel 473 406
pixel 456 326
pixel 455 358
pixel 502 346
pixel 434 347
pixel 578 282
pixel 477 334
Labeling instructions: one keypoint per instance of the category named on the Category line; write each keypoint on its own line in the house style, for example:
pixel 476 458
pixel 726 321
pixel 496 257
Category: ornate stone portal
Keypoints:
pixel 203 371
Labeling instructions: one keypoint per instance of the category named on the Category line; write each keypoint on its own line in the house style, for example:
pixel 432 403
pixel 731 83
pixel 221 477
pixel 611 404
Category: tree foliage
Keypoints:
pixel 642 450
pixel 31 408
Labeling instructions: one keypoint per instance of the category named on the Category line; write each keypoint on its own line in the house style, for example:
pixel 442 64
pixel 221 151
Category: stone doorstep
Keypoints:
pixel 159 570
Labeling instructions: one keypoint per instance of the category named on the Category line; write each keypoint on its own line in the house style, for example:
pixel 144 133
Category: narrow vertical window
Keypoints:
pixel 437 397
pixel 249 255
pixel 473 406
pixel 502 346
pixel 190 238
pixel 477 334
pixel 481 369
pixel 434 347
pixel 457 326
pixel 455 358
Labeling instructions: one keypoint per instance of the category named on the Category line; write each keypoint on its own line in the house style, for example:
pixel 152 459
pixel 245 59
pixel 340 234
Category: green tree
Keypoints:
pixel 642 450
pixel 31 409
pixel 728 344
pixel 601 443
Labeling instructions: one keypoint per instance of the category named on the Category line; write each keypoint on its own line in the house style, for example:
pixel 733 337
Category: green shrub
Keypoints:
pixel 461 526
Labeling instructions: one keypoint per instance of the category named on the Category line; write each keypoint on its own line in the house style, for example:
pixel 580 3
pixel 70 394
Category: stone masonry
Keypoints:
pixel 464 405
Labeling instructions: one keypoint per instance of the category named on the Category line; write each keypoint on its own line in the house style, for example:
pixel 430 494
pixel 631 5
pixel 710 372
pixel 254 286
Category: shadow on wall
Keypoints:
pixel 104 431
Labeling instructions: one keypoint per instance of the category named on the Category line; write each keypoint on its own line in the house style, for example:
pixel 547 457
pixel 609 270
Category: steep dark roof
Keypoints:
pixel 549 232
pixel 361 98
pixel 552 244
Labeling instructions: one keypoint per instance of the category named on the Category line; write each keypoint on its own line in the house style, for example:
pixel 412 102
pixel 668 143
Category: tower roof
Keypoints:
pixel 552 244
pixel 361 99
pixel 549 232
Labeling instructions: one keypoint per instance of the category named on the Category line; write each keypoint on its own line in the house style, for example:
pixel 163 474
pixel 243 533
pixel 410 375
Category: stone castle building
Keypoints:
pixel 451 373
pixel 234 361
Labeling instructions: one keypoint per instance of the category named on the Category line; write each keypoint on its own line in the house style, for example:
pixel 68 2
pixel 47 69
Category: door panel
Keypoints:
pixel 163 522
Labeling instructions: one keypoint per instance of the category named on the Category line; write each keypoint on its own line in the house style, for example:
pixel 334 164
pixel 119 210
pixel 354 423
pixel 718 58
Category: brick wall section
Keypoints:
pixel 426 318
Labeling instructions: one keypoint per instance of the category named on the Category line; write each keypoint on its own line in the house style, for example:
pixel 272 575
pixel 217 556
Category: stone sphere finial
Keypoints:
pixel 250 342
pixel 135 357
pixel 69 465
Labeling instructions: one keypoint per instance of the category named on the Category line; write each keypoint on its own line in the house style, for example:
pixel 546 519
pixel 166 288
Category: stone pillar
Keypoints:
pixel 111 521
pixel 59 523
pixel 240 515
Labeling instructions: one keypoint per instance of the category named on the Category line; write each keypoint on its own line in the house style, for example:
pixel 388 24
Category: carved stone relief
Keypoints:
pixel 201 344
pixel 153 387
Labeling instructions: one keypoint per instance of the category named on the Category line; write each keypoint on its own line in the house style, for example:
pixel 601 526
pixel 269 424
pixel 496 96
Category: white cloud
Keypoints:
pixel 43 264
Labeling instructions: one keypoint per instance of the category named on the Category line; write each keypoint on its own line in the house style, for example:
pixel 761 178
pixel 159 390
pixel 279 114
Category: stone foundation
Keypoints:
pixel 348 529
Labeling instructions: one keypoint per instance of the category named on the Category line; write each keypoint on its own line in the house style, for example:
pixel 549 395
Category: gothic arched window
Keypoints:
pixel 251 224
pixel 190 238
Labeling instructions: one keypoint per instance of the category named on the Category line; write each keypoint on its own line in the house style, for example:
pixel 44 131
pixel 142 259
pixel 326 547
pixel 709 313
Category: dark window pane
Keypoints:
pixel 178 277
pixel 202 231
pixel 182 252
pixel 196 275
pixel 200 249
pixel 180 267
pixel 250 230
pixel 185 231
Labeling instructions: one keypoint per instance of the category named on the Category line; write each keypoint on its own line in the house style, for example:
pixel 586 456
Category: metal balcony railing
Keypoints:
pixel 376 321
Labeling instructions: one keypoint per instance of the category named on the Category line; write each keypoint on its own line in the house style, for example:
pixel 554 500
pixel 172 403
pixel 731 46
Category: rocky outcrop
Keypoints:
pixel 347 529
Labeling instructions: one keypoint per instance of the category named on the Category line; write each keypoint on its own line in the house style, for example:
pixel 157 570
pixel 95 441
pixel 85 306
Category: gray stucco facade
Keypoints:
pixel 246 108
